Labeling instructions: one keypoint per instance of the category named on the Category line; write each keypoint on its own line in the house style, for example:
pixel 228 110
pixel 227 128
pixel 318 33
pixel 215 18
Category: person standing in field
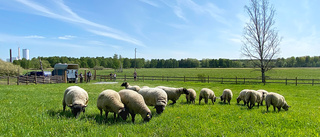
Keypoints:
pixel 110 76
pixel 76 76
pixel 89 76
pixel 81 77
pixel 114 77
pixel 135 76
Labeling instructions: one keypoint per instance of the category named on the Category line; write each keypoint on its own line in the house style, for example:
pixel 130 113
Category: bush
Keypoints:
pixel 202 77
pixel 7 68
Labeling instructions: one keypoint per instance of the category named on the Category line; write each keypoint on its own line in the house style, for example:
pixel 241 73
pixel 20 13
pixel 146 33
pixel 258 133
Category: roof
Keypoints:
pixel 66 66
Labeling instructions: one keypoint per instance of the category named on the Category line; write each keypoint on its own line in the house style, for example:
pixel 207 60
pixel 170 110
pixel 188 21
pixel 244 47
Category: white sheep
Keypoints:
pixel 207 94
pixel 144 87
pixel 110 101
pixel 174 93
pixel 135 104
pixel 226 96
pixel 155 97
pixel 276 100
pixel 264 94
pixel 253 97
pixel 127 86
pixel 242 96
pixel 192 96
pixel 76 98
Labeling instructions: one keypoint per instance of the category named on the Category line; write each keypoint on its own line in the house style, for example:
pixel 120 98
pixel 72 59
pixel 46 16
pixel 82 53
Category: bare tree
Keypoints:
pixel 261 40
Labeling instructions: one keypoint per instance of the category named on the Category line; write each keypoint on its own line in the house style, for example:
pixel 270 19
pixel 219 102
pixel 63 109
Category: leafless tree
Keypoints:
pixel 260 38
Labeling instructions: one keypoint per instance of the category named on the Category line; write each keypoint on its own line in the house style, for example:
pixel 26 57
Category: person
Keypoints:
pixel 135 76
pixel 114 76
pixel 89 76
pixel 110 76
pixel 76 76
pixel 81 77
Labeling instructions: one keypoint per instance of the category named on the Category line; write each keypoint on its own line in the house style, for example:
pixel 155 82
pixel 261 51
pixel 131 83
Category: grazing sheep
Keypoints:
pixel 276 100
pixel 76 98
pixel 264 94
pixel 207 94
pixel 192 96
pixel 155 97
pixel 226 96
pixel 174 93
pixel 110 101
pixel 253 97
pixel 144 87
pixel 127 86
pixel 135 104
pixel 242 96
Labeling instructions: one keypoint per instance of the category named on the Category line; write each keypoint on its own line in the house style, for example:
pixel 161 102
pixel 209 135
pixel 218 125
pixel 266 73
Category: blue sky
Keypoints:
pixel 159 29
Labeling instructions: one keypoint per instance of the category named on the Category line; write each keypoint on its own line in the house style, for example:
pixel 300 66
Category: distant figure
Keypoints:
pixel 89 76
pixel 81 77
pixel 135 76
pixel 110 76
pixel 76 76
pixel 114 77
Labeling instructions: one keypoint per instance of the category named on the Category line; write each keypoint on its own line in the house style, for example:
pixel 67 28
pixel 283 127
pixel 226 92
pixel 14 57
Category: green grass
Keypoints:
pixel 36 110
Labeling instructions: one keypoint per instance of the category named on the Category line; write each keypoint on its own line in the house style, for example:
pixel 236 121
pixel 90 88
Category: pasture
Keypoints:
pixel 36 110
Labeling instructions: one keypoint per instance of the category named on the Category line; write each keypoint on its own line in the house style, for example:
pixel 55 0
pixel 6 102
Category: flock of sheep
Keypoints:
pixel 135 100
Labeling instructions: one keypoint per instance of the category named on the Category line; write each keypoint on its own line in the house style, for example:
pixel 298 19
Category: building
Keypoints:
pixel 25 53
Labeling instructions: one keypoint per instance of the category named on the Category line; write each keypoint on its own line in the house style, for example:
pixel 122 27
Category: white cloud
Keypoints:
pixel 150 3
pixel 66 37
pixel 34 37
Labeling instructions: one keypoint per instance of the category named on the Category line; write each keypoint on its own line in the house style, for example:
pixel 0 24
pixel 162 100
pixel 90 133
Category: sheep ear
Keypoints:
pixel 84 106
pixel 70 105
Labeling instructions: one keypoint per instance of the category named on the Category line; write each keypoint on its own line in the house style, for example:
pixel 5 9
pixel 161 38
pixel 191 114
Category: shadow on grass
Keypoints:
pixel 60 113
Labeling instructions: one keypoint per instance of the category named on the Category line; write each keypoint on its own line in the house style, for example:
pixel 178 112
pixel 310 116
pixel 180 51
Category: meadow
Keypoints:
pixel 36 110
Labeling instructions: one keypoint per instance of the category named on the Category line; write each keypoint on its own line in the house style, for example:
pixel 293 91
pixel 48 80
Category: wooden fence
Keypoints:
pixel 9 80
pixel 208 79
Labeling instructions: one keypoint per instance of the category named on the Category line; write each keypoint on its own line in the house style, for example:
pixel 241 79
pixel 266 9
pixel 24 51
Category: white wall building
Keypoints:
pixel 25 53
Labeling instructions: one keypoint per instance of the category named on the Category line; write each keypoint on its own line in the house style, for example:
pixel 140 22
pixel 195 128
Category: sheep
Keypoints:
pixel 110 101
pixel 144 87
pixel 174 93
pixel 192 96
pixel 276 100
pixel 253 97
pixel 127 86
pixel 264 94
pixel 207 94
pixel 226 95
pixel 76 98
pixel 242 96
pixel 135 104
pixel 155 97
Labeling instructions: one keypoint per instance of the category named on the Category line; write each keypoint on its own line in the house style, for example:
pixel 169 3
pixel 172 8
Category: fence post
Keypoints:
pixel 312 82
pixel 8 80
pixel 143 78
pixel 18 80
pixel 244 80
pixel 296 81
pixel 27 80
pixel 286 81
pixel 35 79
pixel 184 78
pixel 125 77
pixel 162 77
pixel 236 80
pixel 167 79
pixel 95 74
pixel 85 75
pixel 221 80
pixel 208 79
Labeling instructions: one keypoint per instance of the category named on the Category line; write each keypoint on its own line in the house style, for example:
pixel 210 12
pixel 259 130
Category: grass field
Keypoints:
pixel 36 110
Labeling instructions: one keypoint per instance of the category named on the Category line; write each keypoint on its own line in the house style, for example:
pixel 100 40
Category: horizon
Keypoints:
pixel 177 29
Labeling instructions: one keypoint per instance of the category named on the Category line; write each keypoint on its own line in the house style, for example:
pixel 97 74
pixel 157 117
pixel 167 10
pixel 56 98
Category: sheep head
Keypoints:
pixel 148 117
pixel 77 109
pixel 125 84
pixel 185 91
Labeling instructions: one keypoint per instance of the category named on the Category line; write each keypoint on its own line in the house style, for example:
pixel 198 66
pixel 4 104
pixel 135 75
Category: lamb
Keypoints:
pixel 226 95
pixel 207 94
pixel 110 101
pixel 242 96
pixel 127 86
pixel 76 98
pixel 135 104
pixel 192 96
pixel 253 97
pixel 174 93
pixel 264 94
pixel 276 100
pixel 155 97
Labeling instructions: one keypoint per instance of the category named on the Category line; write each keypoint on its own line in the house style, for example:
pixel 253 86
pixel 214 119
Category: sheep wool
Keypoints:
pixel 242 96
pixel 207 94
pixel 264 94
pixel 277 100
pixel 155 97
pixel 174 93
pixel 226 96
pixel 253 97
pixel 110 101
pixel 135 104
pixel 76 98
pixel 192 96
pixel 127 86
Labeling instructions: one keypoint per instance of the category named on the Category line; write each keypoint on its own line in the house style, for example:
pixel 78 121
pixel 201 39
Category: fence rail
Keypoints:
pixel 9 80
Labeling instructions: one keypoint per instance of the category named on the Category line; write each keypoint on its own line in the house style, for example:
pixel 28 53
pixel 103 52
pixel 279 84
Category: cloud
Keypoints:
pixel 63 13
pixel 34 37
pixel 150 3
pixel 66 37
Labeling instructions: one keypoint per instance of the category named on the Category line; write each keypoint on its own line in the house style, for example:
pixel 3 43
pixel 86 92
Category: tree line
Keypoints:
pixel 117 62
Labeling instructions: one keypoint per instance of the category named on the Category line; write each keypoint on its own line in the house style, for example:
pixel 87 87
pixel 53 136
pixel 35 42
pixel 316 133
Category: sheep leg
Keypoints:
pixel 100 112
pixel 244 102
pixel 274 108
pixel 64 106
pixel 229 102
pixel 114 116
pixel 206 100
pixel 200 98
pixel 106 114
pixel 279 108
pixel 173 102
pixel 133 116
pixel 267 107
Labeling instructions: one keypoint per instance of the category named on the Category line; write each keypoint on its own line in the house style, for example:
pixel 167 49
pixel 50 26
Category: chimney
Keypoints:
pixel 19 53
pixel 10 55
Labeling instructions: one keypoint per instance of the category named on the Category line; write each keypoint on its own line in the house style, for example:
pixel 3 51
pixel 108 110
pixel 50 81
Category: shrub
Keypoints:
pixel 7 68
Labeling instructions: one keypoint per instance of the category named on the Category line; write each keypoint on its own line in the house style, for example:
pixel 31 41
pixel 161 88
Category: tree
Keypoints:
pixel 261 38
